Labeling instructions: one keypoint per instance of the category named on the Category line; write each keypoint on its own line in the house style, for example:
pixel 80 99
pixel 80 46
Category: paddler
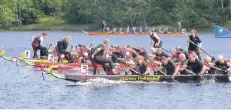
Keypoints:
pixel 194 64
pixel 195 43
pixel 142 66
pixel 61 49
pixel 104 24
pixel 169 65
pixel 37 44
pixel 139 67
pixel 140 51
pixel 153 29
pixel 222 64
pixel 134 30
pixel 128 30
pixel 182 64
pixel 179 26
pixel 207 65
pixel 159 53
pixel 177 51
pixel 98 57
pixel 156 39
pixel 120 30
pixel 118 54
pixel 141 30
pixel 146 29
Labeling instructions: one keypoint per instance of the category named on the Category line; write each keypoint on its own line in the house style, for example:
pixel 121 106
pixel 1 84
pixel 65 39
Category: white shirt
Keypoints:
pixel 155 35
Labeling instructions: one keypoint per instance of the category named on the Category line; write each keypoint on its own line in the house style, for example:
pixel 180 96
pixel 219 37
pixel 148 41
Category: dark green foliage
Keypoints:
pixel 192 13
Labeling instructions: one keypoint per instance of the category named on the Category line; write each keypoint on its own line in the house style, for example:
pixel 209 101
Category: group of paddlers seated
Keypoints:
pixel 138 61
pixel 141 30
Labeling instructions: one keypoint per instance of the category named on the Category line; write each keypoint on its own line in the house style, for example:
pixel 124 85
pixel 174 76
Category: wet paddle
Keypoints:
pixel 84 31
pixel 167 75
pixel 219 70
pixel 199 48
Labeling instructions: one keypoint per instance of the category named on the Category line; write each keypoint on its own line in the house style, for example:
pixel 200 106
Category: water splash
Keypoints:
pixel 101 82
pixel 98 82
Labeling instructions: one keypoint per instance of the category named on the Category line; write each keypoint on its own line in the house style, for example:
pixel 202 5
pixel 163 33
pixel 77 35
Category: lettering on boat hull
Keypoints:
pixel 140 78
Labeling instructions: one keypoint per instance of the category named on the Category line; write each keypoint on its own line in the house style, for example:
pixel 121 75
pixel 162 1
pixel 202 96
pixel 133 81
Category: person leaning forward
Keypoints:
pixel 61 49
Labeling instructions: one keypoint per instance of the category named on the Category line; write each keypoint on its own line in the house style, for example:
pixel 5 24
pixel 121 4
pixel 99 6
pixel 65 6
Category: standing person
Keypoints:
pixel 37 44
pixel 153 29
pixel 179 26
pixel 104 24
pixel 98 57
pixel 195 43
pixel 156 39
pixel 128 30
pixel 134 30
pixel 61 49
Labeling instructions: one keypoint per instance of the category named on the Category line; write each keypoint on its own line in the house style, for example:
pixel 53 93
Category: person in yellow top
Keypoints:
pixel 61 49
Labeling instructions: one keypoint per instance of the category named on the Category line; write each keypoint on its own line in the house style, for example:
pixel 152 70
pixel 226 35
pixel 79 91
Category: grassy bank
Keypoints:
pixel 50 27
pixel 51 24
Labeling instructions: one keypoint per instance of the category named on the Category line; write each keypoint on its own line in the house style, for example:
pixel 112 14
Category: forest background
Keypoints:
pixel 74 15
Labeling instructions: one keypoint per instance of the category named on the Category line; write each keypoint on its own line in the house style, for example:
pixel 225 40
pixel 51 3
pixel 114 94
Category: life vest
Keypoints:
pixel 36 42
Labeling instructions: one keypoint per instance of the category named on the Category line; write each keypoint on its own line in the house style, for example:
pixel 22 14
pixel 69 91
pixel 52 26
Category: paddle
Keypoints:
pixel 190 72
pixel 166 50
pixel 43 77
pixel 217 69
pixel 84 31
pixel 199 47
pixel 201 76
pixel 167 75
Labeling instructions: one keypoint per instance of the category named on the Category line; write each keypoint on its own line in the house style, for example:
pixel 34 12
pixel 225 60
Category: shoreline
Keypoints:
pixel 76 27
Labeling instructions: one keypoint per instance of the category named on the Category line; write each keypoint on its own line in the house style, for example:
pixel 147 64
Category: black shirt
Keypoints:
pixel 116 55
pixel 195 40
pixel 62 46
pixel 101 52
pixel 195 66
pixel 142 68
pixel 170 67
pixel 222 66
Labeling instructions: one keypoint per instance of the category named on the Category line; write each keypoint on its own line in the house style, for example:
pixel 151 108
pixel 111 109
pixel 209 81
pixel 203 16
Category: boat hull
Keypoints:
pixel 140 78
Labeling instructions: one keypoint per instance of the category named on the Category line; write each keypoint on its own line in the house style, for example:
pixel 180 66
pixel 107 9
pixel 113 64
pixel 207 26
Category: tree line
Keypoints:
pixel 191 13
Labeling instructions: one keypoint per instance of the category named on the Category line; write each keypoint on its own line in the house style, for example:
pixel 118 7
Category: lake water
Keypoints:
pixel 23 86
